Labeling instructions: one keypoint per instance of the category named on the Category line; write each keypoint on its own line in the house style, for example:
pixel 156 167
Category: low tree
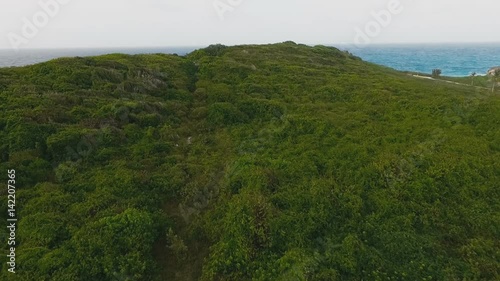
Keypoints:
pixel 473 75
pixel 436 73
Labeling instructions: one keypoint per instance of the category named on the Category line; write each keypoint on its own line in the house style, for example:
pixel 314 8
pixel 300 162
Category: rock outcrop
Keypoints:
pixel 493 69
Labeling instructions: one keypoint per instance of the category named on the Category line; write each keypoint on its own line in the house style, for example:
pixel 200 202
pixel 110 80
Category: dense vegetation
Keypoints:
pixel 274 162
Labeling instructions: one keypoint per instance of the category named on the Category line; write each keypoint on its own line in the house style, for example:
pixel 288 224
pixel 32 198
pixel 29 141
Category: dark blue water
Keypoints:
pixel 452 59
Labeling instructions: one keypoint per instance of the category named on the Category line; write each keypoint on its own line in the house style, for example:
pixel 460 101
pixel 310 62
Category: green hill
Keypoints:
pixel 272 162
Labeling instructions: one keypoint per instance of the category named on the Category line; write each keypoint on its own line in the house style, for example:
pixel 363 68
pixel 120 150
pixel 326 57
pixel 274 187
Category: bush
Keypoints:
pixel 224 114
pixel 215 50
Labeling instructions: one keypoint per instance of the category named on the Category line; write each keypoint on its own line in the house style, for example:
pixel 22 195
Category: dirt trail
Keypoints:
pixel 446 81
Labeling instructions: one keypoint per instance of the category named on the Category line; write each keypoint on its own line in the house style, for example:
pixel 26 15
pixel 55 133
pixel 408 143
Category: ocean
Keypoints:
pixel 452 59
pixel 24 57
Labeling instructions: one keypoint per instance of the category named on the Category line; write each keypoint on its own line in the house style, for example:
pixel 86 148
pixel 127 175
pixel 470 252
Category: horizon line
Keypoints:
pixel 242 44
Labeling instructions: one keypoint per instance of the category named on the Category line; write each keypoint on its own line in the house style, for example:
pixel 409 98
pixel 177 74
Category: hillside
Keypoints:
pixel 271 162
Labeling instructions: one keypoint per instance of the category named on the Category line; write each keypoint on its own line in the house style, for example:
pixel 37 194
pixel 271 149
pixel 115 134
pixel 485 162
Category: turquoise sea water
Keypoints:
pixel 452 59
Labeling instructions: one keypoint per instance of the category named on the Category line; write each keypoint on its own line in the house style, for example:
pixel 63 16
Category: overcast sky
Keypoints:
pixel 149 23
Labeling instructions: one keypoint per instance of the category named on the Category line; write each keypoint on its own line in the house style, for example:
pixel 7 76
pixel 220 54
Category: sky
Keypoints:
pixel 160 23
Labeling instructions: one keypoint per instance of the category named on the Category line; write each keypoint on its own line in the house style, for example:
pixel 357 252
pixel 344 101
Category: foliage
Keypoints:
pixel 436 73
pixel 270 162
